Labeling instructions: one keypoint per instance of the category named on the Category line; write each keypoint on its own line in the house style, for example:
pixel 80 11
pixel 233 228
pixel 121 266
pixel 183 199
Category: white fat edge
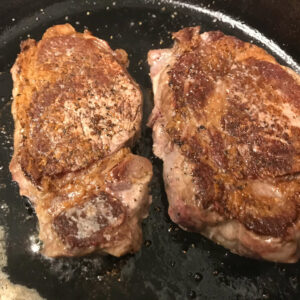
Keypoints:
pixel 9 290
pixel 176 173
pixel 164 59
pixel 161 144
pixel 155 82
pixel 131 198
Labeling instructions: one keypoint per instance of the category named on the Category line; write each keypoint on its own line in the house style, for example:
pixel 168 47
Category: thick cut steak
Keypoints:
pixel 76 109
pixel 226 123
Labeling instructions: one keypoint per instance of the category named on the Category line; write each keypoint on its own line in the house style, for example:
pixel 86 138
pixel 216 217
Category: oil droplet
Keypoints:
pixel 147 243
pixel 265 296
pixel 171 228
pixel 172 263
pixel 99 278
pixel 35 244
pixel 29 209
pixel 282 270
pixel 157 208
pixel 4 208
pixel 191 294
pixel 294 282
pixel 215 272
pixel 84 269
pixel 198 277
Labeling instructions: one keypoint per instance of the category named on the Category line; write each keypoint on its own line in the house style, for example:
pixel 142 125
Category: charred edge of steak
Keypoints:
pixel 91 223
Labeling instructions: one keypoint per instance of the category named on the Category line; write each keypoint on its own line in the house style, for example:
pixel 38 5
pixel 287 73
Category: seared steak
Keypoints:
pixel 97 208
pixel 75 107
pixel 226 123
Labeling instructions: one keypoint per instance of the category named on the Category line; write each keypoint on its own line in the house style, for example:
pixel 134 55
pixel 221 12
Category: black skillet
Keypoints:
pixel 172 264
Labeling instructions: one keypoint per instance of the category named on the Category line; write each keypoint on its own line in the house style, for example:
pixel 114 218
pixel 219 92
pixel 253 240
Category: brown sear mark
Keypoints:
pixel 87 224
pixel 278 78
pixel 273 226
pixel 253 140
pixel 217 148
pixel 77 103
pixel 189 83
pixel 262 215
pixel 208 190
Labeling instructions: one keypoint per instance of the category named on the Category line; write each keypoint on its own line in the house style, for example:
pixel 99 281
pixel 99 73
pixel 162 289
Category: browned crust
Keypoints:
pixel 75 109
pixel 227 124
pixel 74 103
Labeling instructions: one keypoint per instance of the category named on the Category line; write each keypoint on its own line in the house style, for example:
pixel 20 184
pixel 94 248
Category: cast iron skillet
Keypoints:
pixel 172 264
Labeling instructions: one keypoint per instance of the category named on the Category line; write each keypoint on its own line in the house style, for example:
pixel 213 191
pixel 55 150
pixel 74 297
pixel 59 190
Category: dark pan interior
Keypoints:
pixel 172 264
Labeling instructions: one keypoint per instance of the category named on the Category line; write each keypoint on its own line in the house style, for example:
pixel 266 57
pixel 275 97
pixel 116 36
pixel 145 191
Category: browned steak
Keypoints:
pixel 226 123
pixel 75 109
pixel 97 208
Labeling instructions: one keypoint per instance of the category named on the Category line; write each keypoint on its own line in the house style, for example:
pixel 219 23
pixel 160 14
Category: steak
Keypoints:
pixel 76 112
pixel 98 208
pixel 226 123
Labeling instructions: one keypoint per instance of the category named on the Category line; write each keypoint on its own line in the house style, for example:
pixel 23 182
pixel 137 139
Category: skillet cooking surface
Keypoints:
pixel 172 264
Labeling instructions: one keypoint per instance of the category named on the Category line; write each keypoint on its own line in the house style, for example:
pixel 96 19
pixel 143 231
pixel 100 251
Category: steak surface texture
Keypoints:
pixel 76 112
pixel 226 123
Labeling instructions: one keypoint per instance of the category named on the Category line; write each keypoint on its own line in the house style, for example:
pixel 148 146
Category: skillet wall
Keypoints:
pixel 172 264
pixel 277 19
